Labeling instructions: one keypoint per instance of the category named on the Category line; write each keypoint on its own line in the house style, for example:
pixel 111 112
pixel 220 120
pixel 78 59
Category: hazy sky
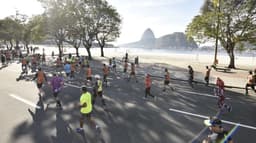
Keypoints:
pixel 162 16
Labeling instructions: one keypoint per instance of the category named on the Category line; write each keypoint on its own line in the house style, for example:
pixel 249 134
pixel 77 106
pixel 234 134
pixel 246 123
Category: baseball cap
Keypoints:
pixel 213 121
pixel 97 76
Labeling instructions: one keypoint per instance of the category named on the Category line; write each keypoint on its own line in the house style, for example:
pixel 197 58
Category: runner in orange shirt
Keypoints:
pixel 132 73
pixel 105 74
pixel 41 78
pixel 73 68
pixel 148 83
pixel 88 74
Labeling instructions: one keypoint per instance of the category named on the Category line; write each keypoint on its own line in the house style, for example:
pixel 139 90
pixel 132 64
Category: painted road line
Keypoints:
pixel 203 94
pixel 25 101
pixel 207 117
pixel 13 70
pixel 75 86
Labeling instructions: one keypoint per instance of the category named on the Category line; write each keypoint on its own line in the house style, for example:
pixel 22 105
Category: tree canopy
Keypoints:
pixel 236 20
pixel 82 21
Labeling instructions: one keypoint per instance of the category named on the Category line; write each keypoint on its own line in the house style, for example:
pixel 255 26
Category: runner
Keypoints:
pixel 125 66
pixel 218 133
pixel 56 84
pixel 52 54
pixel 220 93
pixel 105 74
pixel 73 69
pixel 33 63
pixel 41 77
pixel 110 63
pixel 3 58
pixel 250 82
pixel 191 76
pixel 207 75
pixel 67 69
pixel 86 109
pixel 148 83
pixel 114 64
pixel 43 58
pixel 24 70
pixel 98 91
pixel 58 62
pixel 132 73
pixel 88 75
pixel 136 61
pixel 166 79
pixel 24 65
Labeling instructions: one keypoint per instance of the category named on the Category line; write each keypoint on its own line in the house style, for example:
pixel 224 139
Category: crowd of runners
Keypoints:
pixel 70 65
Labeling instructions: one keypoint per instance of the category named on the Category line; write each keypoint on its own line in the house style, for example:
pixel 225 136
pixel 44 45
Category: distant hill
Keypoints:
pixel 173 41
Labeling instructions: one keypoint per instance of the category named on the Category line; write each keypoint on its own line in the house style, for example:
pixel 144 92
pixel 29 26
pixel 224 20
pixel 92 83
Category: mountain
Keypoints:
pixel 175 41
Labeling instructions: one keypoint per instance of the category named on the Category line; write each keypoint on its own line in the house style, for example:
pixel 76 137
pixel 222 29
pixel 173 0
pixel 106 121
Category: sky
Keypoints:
pixel 162 16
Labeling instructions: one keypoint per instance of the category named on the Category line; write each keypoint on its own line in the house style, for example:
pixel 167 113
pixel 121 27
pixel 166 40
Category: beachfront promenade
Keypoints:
pixel 172 117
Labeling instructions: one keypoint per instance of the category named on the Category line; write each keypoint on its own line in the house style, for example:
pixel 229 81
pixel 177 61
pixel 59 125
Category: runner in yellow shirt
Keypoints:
pixel 86 109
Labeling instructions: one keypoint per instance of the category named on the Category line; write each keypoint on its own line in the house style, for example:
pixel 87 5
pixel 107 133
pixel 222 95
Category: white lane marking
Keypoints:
pixel 71 85
pixel 75 86
pixel 25 101
pixel 207 117
pixel 13 70
pixel 203 94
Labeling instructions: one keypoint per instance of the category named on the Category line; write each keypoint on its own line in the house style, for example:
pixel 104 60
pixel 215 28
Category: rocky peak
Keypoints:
pixel 148 35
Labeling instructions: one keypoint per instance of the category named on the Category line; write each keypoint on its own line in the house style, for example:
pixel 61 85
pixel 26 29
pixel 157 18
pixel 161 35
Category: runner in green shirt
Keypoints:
pixel 86 109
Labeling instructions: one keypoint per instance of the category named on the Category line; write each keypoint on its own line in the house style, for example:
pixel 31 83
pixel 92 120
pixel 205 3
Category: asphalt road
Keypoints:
pixel 172 117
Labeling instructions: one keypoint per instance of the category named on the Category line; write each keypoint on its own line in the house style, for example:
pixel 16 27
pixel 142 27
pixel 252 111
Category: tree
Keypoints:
pixel 20 20
pixel 57 20
pixel 86 13
pixel 107 24
pixel 34 30
pixel 74 36
pixel 236 24
pixel 12 29
pixel 71 21
pixel 7 31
